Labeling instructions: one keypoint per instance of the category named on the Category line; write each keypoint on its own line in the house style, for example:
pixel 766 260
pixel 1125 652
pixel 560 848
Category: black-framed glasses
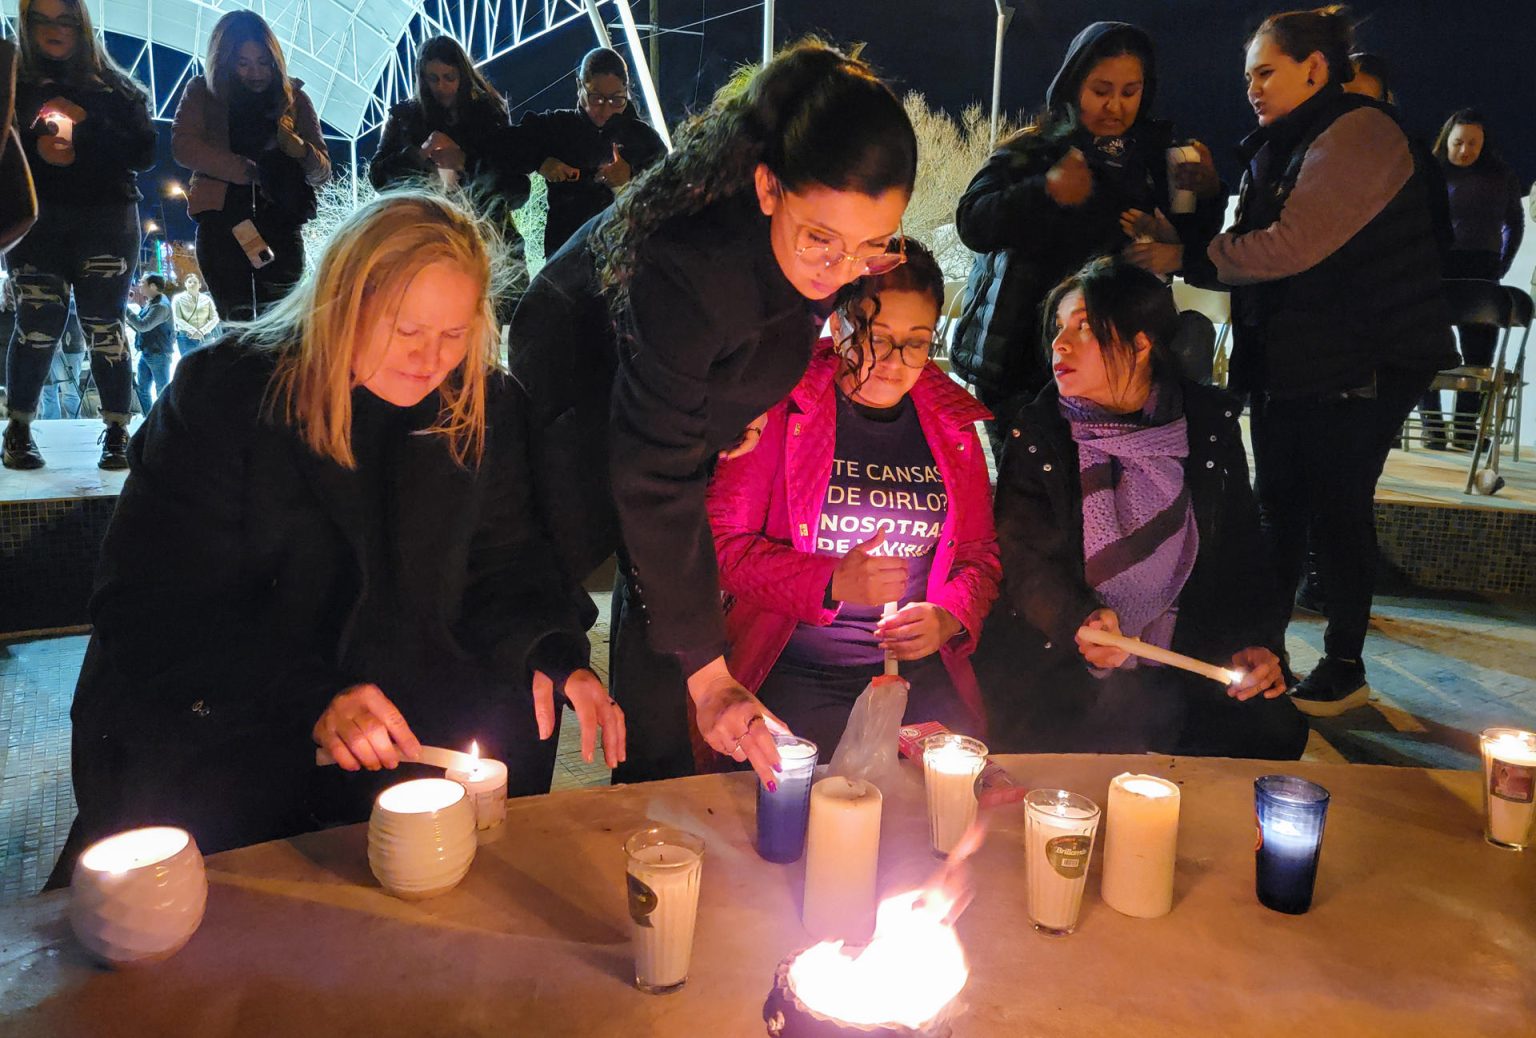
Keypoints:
pixel 68 22
pixel 915 352
pixel 618 102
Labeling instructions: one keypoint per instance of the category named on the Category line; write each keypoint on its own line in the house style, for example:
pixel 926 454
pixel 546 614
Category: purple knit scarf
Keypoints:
pixel 1139 533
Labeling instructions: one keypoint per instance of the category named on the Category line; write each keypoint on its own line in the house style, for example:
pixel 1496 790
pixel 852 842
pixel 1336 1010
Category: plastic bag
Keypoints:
pixel 868 748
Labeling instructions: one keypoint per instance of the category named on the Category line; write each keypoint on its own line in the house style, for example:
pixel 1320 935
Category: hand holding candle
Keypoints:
pixel 1119 643
pixel 361 728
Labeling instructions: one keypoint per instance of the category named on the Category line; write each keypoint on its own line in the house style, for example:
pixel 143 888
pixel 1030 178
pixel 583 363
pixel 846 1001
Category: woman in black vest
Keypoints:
pixel 85 127
pixel 1339 322
pixel 334 507
pixel 666 327
pixel 1051 198
pixel 587 153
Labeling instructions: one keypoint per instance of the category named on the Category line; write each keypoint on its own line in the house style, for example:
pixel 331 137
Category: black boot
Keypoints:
pixel 1335 686
pixel 114 447
pixel 20 450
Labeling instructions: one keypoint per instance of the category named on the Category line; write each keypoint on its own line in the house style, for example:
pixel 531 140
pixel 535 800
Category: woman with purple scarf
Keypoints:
pixel 1123 504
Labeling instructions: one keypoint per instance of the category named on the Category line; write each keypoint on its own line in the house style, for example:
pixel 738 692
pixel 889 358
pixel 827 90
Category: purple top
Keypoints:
pixel 1486 210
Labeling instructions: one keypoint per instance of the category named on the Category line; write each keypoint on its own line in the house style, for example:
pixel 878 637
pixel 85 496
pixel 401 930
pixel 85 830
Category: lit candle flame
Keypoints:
pixel 1235 677
pixel 909 972
pixel 474 754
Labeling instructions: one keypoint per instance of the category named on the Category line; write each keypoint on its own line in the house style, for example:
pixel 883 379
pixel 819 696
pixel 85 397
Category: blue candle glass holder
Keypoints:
pixel 1291 812
pixel 783 813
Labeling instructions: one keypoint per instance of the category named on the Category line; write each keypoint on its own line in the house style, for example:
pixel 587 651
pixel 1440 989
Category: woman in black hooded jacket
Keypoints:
pixel 1051 198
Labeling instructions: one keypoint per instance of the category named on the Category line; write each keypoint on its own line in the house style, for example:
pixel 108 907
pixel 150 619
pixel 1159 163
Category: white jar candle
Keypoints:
pixel 1509 786
pixel 1141 840
pixel 1058 844
pixel 663 870
pixel 950 766
pixel 137 897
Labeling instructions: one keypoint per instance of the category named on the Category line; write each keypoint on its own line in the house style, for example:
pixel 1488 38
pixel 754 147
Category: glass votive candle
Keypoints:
pixel 1291 812
pixel 950 766
pixel 137 897
pixel 662 871
pixel 421 838
pixel 1059 828
pixel 782 813
pixel 1509 774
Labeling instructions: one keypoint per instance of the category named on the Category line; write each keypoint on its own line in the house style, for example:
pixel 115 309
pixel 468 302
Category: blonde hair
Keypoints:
pixel 318 330
pixel 229 33
pixel 89 62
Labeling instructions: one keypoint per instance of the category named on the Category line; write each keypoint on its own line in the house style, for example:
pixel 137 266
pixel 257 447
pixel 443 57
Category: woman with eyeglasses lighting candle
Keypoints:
pixel 717 268
pixel 868 486
pixel 587 153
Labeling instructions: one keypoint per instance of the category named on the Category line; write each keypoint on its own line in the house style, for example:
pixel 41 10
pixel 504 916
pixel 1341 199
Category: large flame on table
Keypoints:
pixel 908 973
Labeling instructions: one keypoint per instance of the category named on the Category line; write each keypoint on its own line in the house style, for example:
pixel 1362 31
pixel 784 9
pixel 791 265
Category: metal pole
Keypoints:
pixel 603 39
pixel 767 31
pixel 353 170
pixel 1004 16
pixel 656 44
pixel 642 70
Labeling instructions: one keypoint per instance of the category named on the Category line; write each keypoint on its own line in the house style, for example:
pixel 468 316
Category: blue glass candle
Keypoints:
pixel 782 814
pixel 1291 814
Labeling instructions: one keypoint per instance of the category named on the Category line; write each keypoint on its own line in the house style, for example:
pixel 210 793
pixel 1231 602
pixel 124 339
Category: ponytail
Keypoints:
pixel 1329 31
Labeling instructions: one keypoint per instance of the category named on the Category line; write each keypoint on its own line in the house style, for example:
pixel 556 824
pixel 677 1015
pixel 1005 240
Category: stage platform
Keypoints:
pixel 1432 536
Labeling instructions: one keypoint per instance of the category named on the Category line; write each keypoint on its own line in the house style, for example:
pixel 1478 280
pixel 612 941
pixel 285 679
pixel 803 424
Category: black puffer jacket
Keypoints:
pixel 492 160
pixel 1027 242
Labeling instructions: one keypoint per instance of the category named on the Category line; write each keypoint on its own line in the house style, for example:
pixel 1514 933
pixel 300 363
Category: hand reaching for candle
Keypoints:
pixel 916 630
pixel 1102 656
pixel 594 709
pixel 363 729
pixel 1262 674
pixel 734 722
pixel 443 151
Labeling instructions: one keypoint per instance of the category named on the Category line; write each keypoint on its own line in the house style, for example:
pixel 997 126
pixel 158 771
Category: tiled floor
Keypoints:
pixel 1442 670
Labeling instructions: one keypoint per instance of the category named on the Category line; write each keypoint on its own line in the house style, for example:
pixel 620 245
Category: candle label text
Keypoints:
pixel 642 900
pixel 1512 782
pixel 1068 855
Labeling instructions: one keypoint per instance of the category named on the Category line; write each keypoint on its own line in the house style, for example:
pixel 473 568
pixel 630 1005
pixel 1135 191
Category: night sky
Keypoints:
pixel 1446 54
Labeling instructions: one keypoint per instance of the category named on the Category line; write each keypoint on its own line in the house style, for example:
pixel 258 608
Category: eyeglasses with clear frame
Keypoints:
pixel 815 248
pixel 618 102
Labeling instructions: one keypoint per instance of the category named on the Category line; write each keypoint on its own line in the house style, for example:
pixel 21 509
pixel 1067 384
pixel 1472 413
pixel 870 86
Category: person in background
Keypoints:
pixel 1488 221
pixel 195 315
pixel 1339 321
pixel 1054 195
pixel 868 486
pixel 86 129
pixel 334 504
pixel 1123 505
pixel 155 329
pixel 655 340
pixel 588 153
pixel 252 140
pixel 62 392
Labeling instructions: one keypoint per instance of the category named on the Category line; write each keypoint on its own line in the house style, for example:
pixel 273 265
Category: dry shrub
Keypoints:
pixel 949 153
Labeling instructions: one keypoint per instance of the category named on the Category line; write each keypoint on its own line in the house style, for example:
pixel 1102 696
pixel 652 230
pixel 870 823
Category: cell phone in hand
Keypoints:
pixel 256 248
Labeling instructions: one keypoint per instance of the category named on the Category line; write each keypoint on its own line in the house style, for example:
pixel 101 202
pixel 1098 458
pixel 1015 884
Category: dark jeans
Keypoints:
pixel 154 368
pixel 652 690
pixel 239 290
pixel 1478 342
pixel 89 250
pixel 815 701
pixel 1315 467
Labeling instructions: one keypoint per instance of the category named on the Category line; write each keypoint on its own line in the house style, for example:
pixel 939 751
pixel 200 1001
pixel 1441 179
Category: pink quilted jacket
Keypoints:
pixel 764 508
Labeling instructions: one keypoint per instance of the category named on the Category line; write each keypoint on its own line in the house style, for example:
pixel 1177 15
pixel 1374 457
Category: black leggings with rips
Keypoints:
pixel 89 250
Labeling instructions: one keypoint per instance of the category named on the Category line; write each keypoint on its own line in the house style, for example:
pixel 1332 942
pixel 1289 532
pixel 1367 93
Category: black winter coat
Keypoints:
pixel 113 145
pixel 570 136
pixel 1229 601
pixel 245 581
pixel 624 439
pixel 492 159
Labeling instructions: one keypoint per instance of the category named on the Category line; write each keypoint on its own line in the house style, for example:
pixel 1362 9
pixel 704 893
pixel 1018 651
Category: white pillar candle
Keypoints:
pixel 950 766
pixel 1509 786
pixel 1180 200
pixel 842 852
pixel 1140 844
pixel 486 783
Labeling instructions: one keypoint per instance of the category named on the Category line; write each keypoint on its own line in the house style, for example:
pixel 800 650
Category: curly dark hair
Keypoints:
pixel 920 273
pixel 812 115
